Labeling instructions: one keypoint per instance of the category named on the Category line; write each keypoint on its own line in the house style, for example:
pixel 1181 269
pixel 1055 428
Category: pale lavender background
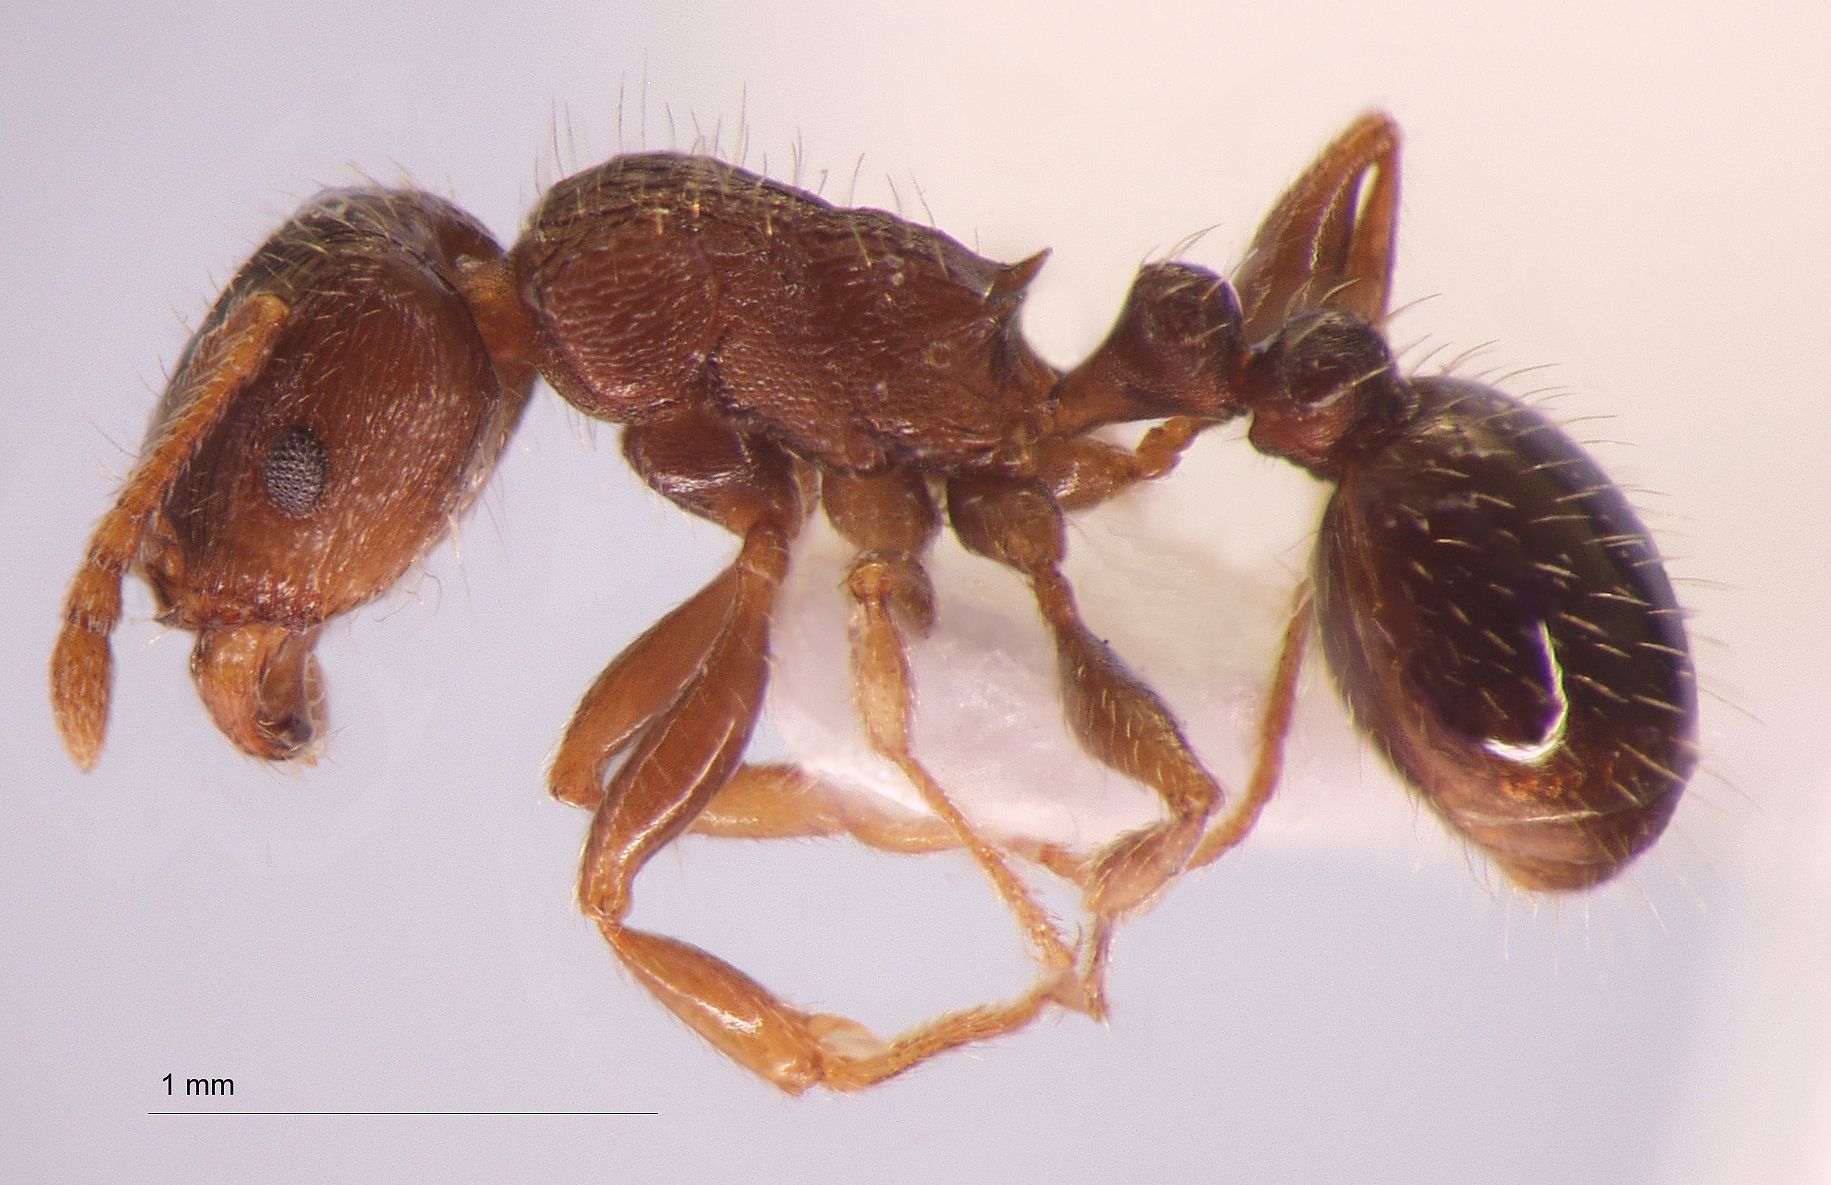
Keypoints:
pixel 1631 192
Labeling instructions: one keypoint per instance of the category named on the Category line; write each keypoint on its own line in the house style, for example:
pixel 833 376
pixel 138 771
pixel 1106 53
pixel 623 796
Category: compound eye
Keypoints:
pixel 293 472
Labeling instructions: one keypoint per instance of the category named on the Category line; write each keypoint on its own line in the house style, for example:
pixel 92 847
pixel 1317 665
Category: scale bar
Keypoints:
pixel 457 1113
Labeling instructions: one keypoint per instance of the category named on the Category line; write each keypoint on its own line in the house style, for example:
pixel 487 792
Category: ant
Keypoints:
pixel 1493 612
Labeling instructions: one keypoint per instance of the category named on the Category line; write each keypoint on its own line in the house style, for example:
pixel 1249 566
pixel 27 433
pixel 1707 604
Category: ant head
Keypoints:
pixel 1322 389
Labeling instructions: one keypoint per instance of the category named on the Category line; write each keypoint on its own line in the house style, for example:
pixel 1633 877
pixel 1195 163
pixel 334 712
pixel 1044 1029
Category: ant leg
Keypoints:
pixel 771 801
pixel 1084 471
pixel 759 802
pixel 637 686
pixel 640 683
pixel 778 801
pixel 1117 718
pixel 1274 729
pixel 1328 245
pixel 891 519
pixel 794 1049
pixel 679 763
pixel 1226 832
pixel 82 667
pixel 688 752
pixel 786 802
